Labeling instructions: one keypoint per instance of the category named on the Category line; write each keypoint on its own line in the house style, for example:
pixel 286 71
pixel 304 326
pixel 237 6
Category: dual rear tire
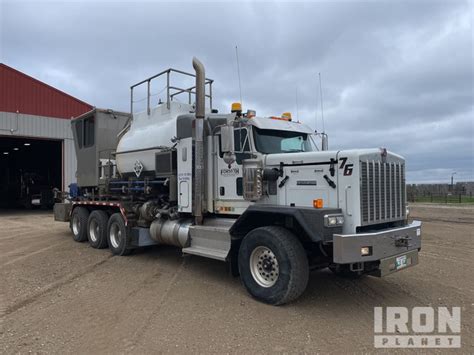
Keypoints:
pixel 97 229
pixel 117 236
pixel 78 224
pixel 100 230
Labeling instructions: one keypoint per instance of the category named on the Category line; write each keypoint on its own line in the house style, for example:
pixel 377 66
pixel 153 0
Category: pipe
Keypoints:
pixel 198 140
pixel 200 88
pixel 137 182
pixel 127 189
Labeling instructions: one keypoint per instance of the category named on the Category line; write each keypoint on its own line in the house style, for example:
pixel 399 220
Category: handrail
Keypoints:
pixel 170 95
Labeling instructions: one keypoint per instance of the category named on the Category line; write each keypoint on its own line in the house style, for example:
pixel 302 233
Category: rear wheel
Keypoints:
pixel 78 224
pixel 97 229
pixel 273 265
pixel 117 236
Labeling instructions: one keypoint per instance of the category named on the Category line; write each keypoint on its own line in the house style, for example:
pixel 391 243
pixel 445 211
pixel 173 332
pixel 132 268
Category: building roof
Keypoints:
pixel 22 93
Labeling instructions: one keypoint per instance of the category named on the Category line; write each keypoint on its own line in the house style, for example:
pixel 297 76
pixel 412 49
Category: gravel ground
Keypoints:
pixel 58 296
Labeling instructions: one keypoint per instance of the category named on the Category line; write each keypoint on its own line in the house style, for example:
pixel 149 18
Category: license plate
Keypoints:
pixel 401 262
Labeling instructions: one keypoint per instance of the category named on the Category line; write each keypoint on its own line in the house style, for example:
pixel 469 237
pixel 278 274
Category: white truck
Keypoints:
pixel 255 192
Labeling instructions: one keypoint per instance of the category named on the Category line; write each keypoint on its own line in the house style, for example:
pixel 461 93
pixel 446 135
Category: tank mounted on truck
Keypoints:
pixel 255 192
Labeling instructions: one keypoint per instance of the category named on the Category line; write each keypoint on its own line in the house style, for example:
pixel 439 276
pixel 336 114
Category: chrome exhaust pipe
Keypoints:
pixel 198 140
pixel 200 88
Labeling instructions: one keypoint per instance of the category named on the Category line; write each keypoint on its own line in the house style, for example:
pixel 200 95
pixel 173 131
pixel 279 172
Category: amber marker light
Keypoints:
pixel 318 203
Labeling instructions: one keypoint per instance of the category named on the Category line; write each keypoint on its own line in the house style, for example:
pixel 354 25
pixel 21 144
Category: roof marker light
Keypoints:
pixel 236 107
pixel 286 115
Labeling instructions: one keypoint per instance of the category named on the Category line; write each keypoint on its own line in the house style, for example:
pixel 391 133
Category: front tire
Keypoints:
pixel 273 265
pixel 78 224
pixel 97 229
pixel 118 237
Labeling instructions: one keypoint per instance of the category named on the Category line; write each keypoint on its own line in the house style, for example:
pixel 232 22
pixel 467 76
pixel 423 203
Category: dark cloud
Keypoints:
pixel 397 74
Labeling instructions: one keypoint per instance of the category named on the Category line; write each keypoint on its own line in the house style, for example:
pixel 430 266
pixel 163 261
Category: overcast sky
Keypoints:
pixel 397 74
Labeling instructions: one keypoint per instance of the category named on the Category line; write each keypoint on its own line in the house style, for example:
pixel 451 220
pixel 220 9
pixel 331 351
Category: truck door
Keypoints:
pixel 229 197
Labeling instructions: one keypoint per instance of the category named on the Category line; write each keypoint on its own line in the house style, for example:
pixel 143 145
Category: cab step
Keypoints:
pixel 211 240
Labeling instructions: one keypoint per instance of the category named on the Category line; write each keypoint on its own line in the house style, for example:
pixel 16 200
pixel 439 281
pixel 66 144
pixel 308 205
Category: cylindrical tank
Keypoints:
pixel 171 232
pixel 147 135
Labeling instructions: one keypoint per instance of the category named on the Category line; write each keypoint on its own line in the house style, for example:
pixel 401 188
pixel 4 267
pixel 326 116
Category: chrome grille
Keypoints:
pixel 382 192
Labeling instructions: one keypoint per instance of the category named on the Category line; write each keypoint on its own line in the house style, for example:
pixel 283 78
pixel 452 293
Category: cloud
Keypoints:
pixel 397 74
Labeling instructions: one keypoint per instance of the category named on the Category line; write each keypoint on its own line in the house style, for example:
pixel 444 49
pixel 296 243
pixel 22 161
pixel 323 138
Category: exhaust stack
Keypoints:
pixel 198 140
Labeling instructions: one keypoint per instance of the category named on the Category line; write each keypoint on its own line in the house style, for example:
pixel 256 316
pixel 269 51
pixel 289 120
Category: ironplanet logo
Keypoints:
pixel 422 327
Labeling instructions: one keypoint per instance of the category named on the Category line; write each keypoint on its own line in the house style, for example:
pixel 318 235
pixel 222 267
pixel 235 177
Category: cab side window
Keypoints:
pixel 89 132
pixel 84 131
pixel 241 145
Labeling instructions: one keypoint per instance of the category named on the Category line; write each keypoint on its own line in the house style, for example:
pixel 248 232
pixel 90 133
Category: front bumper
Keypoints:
pixel 384 245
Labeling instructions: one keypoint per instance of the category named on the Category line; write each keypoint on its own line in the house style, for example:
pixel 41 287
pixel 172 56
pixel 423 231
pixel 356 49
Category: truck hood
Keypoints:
pixel 299 158
pixel 322 156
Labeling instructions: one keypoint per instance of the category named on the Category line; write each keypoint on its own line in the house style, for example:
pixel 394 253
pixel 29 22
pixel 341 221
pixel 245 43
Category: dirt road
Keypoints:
pixel 59 296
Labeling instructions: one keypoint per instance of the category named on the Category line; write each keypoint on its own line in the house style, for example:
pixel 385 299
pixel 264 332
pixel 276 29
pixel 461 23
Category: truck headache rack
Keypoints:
pixel 171 90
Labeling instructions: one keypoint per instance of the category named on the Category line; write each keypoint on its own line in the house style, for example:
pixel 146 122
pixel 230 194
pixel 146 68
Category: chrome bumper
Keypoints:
pixel 384 244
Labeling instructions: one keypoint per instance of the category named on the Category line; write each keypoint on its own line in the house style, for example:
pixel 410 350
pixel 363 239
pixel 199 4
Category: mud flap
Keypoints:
pixel 62 212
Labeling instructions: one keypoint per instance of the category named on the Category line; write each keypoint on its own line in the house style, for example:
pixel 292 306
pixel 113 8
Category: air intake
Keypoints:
pixel 382 189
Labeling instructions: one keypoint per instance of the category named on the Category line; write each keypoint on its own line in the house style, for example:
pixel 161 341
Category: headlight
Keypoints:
pixel 333 220
pixel 366 251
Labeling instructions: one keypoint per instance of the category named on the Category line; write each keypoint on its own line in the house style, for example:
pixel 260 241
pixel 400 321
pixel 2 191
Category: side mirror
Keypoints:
pixel 227 144
pixel 324 142
pixel 227 139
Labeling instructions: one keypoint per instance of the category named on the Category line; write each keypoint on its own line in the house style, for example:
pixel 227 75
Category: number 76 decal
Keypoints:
pixel 347 167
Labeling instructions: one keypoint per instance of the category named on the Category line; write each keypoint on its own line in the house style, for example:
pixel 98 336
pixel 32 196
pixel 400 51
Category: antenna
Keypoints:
pixel 297 111
pixel 238 73
pixel 321 95
pixel 316 115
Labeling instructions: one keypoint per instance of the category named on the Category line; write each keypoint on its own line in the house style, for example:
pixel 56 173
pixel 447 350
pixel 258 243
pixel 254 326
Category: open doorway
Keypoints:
pixel 29 171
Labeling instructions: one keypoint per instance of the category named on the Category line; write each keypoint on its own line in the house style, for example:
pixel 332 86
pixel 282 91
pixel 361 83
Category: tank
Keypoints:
pixel 148 134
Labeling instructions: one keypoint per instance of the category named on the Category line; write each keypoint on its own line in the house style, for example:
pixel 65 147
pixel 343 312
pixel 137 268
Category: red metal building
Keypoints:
pixel 27 95
pixel 36 143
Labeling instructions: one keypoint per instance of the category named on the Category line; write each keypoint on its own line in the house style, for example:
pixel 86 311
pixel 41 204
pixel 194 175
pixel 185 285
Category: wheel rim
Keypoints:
pixel 264 266
pixel 94 230
pixel 115 235
pixel 76 225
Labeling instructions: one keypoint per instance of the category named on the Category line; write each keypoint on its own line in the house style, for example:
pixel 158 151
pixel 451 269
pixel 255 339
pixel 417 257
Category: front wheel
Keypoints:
pixel 273 265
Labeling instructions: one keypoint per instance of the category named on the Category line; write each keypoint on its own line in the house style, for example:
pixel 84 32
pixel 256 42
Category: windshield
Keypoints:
pixel 270 141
